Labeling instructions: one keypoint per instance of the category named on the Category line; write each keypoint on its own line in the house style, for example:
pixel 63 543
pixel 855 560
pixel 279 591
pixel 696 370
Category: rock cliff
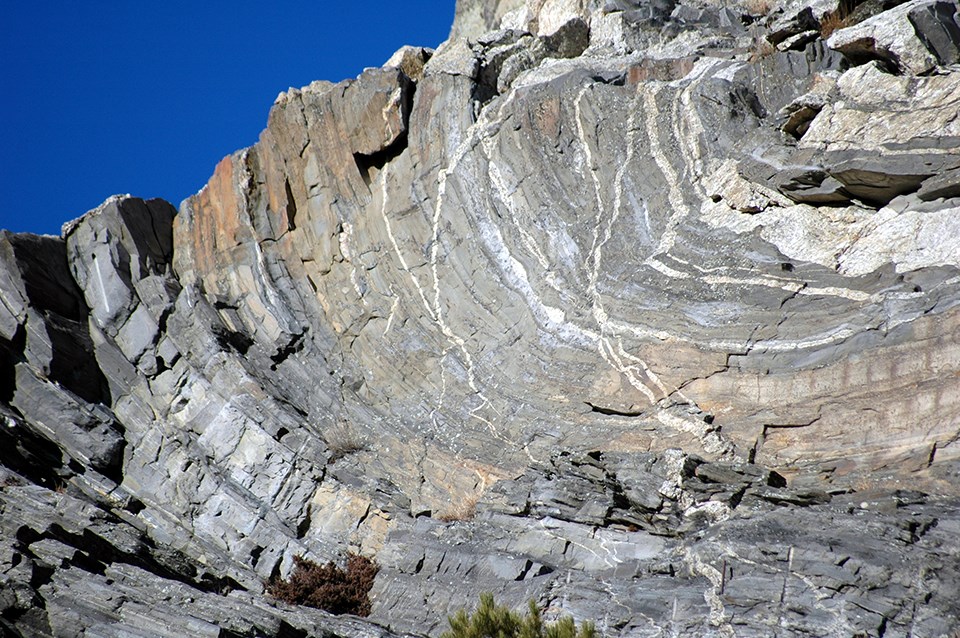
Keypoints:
pixel 646 310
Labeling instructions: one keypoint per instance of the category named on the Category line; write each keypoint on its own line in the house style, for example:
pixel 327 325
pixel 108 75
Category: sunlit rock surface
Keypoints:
pixel 647 311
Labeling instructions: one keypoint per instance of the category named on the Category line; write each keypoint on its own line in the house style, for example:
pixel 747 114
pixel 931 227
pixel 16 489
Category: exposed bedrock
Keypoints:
pixel 649 311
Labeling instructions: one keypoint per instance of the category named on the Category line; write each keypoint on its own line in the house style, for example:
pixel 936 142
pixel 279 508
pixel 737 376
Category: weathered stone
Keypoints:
pixel 411 61
pixel 654 332
pixel 798 41
pixel 473 18
pixel 800 113
pixel 660 69
pixel 798 17
pixel 812 186
pixel 86 432
pixel 937 26
pixel 879 181
pixel 890 37
pixel 942 186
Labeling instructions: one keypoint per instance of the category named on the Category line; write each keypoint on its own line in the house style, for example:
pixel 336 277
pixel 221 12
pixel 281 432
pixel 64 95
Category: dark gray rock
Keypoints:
pixel 945 185
pixel 937 26
pixel 880 181
pixel 812 186
pixel 894 38
pixel 609 305
pixel 798 18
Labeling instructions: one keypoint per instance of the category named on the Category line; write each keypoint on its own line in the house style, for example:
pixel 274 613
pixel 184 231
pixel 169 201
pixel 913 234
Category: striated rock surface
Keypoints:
pixel 646 310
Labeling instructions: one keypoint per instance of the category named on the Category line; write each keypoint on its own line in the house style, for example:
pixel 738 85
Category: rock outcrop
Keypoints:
pixel 646 310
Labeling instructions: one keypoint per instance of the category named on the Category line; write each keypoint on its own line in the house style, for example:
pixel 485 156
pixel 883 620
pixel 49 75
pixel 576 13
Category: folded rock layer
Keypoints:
pixel 647 311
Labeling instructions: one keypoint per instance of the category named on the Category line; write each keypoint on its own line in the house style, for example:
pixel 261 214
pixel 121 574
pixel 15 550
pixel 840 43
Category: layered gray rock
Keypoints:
pixel 647 311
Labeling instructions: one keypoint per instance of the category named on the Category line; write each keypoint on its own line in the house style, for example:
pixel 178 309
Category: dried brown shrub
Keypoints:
pixel 328 587
pixel 758 7
pixel 342 439
pixel 842 17
pixel 761 49
pixel 465 510
pixel 832 22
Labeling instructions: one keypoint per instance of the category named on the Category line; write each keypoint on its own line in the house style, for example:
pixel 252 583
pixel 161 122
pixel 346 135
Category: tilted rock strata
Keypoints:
pixel 618 307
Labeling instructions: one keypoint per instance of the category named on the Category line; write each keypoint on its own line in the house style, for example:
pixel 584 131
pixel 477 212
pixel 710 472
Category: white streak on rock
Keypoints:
pixel 102 288
pixel 396 247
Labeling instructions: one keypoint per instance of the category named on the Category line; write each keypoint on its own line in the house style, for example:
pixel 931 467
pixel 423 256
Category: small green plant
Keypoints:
pixel 328 587
pixel 494 621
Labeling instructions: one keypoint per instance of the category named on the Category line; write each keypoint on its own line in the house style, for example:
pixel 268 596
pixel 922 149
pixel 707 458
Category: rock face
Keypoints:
pixel 648 311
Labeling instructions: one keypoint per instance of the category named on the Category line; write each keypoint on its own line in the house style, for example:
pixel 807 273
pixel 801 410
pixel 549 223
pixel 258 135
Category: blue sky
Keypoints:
pixel 146 97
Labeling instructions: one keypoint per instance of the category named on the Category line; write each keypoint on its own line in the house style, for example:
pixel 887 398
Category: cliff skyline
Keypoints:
pixel 146 99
